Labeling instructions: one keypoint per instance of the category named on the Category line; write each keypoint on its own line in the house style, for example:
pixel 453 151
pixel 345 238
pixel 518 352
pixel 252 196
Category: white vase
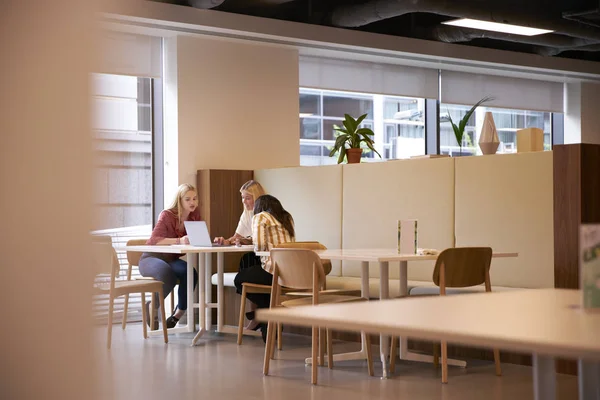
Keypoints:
pixel 488 139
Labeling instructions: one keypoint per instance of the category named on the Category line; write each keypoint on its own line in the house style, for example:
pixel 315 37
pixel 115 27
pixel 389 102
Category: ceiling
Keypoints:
pixel 576 23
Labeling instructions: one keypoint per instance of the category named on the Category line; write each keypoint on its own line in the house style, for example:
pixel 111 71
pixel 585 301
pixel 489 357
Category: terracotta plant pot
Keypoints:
pixel 353 155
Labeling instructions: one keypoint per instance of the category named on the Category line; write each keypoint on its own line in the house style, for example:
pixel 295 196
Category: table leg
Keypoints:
pixel 192 260
pixel 403 279
pixel 220 291
pixel 201 297
pixel 589 380
pixel 544 377
pixel 364 292
pixel 208 290
pixel 384 293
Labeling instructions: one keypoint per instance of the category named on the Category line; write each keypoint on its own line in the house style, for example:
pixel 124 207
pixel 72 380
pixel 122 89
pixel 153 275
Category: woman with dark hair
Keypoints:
pixel 271 225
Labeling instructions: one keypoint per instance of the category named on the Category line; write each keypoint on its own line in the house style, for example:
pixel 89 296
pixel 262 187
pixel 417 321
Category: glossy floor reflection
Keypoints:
pixel 217 368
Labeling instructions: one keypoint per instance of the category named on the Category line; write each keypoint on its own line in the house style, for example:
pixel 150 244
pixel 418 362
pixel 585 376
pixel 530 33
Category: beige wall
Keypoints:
pixel 506 202
pixel 377 195
pixel 45 341
pixel 313 195
pixel 237 106
pixel 582 119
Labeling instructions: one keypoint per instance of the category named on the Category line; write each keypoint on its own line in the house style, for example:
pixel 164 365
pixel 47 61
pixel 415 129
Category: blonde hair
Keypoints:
pixel 176 207
pixel 254 188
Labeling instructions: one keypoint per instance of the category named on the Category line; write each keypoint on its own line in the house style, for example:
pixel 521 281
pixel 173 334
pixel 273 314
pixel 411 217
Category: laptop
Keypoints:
pixel 198 235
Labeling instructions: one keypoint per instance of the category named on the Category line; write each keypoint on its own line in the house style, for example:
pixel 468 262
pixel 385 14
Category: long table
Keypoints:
pixel 383 257
pixel 548 323
pixel 204 267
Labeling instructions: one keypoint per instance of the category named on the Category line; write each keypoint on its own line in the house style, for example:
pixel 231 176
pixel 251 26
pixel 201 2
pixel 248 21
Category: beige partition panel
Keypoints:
pixel 376 195
pixel 505 201
pixel 313 195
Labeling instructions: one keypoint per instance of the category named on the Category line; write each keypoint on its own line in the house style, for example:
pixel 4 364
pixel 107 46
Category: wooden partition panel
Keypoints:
pixel 576 202
pixel 377 195
pixel 505 201
pixel 313 195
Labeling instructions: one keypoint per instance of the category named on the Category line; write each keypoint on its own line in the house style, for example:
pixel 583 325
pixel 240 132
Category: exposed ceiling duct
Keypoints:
pixel 205 3
pixel 376 10
pixel 547 45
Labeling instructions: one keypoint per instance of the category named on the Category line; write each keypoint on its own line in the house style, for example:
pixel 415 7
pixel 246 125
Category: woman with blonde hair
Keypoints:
pixel 250 191
pixel 168 268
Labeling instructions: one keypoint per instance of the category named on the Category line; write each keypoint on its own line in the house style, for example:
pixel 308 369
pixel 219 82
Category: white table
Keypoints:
pixel 204 267
pixel 545 322
pixel 383 257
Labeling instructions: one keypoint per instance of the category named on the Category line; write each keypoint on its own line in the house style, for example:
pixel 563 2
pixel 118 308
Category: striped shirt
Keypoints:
pixel 268 232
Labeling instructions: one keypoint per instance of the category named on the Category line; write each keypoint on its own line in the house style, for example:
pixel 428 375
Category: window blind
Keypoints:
pixel 514 93
pixel 366 77
pixel 129 54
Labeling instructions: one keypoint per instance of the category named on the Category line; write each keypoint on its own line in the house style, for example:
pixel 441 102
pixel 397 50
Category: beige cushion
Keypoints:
pixel 228 278
pixel 353 283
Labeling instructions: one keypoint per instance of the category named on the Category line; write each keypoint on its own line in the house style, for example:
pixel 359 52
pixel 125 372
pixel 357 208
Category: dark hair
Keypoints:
pixel 271 205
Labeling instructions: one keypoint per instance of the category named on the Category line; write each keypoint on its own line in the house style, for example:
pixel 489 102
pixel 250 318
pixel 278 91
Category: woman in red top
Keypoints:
pixel 168 268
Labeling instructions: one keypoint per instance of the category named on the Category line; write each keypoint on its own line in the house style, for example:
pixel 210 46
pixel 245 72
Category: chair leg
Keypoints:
pixel 241 319
pixel 367 339
pixel 125 308
pixel 393 352
pixel 268 347
pixel 162 314
pixel 279 337
pixel 152 311
pixel 497 362
pixel 111 302
pixel 329 349
pixel 315 348
pixel 272 348
pixel 144 316
pixel 444 362
pixel 322 344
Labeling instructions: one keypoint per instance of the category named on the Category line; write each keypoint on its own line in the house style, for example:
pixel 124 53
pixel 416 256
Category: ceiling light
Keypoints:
pixel 496 27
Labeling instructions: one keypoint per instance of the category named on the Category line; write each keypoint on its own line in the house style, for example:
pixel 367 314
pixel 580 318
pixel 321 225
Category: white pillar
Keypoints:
pixel 45 179
pixel 582 119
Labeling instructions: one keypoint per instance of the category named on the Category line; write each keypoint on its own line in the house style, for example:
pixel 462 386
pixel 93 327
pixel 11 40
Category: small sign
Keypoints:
pixel 589 270
pixel 407 236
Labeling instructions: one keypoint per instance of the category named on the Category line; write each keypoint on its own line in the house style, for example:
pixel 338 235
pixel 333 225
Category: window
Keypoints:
pixel 122 122
pixel 398 124
pixel 122 128
pixel 507 123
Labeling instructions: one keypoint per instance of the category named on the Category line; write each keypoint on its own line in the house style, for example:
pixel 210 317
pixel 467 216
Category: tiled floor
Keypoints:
pixel 217 368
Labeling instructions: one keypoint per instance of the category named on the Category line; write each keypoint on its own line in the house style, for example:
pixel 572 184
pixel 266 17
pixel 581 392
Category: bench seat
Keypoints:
pixel 415 288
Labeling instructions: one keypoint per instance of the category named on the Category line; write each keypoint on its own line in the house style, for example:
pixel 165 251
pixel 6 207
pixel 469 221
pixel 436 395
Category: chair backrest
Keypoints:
pixel 105 257
pixel 311 245
pixel 297 268
pixel 463 266
pixel 133 257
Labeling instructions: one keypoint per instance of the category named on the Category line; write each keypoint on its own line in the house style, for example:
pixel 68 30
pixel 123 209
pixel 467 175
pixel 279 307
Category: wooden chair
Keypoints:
pixel 456 268
pixel 301 269
pixel 133 259
pixel 255 288
pixel 106 262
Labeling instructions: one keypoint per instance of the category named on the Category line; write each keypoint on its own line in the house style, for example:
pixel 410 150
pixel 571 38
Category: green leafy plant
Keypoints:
pixel 459 131
pixel 353 136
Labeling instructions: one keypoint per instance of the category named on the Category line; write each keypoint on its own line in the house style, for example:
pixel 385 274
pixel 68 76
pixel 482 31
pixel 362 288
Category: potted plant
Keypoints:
pixel 459 130
pixel 352 136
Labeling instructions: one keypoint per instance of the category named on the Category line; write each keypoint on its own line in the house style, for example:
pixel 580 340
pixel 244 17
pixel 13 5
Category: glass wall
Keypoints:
pixel 398 124
pixel 507 123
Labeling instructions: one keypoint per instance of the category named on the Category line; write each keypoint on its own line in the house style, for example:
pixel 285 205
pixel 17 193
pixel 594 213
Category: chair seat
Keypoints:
pixel 325 299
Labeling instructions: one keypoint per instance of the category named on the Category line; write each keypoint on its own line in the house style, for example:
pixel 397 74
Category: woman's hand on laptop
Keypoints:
pixel 221 241
pixel 184 240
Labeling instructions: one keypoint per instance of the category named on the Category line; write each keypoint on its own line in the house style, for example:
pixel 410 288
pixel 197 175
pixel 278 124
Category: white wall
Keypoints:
pixel 237 106
pixel 582 119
